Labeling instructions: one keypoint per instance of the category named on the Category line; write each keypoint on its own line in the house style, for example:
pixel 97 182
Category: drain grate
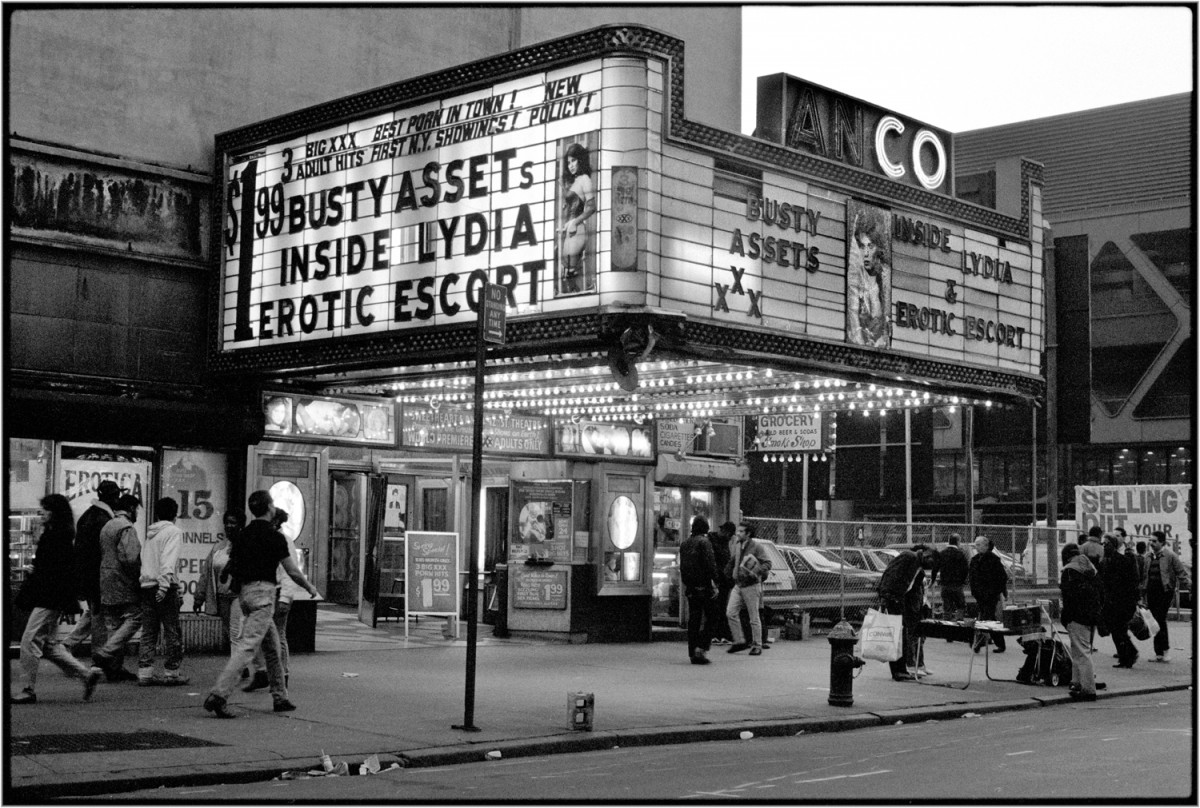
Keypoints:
pixel 101 742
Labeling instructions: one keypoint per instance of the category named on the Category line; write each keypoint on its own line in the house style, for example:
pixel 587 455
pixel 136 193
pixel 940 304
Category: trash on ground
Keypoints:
pixel 494 754
pixel 898 723
pixel 349 675
pixel 746 735
pixel 326 762
pixel 971 715
pixel 370 765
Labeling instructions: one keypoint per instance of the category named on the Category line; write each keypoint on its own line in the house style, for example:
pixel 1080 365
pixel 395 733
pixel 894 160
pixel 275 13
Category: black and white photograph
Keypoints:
pixel 600 404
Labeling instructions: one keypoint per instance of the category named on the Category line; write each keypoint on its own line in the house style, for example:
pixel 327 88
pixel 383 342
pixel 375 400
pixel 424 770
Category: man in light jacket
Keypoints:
pixel 749 566
pixel 120 566
pixel 1164 575
pixel 160 597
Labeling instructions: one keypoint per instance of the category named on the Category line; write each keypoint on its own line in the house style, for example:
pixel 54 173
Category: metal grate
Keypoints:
pixel 101 742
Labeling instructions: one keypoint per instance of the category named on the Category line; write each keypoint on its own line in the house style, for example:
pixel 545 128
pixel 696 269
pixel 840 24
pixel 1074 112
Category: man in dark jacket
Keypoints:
pixel 953 576
pixel 989 586
pixel 1119 576
pixel 720 539
pixel 92 625
pixel 698 573
pixel 1081 613
pixel 898 590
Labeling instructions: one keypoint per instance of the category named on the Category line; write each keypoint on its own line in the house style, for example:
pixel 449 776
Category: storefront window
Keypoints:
pixel 1180 464
pixel 28 467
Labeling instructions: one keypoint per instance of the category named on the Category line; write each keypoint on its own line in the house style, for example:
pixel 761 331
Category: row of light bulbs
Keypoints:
pixel 795 458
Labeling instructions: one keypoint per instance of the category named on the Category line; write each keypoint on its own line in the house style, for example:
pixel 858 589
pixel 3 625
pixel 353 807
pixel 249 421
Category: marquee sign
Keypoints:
pixel 396 220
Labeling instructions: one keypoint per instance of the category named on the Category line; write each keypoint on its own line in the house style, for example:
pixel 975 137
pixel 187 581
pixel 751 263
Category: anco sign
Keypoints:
pixel 397 220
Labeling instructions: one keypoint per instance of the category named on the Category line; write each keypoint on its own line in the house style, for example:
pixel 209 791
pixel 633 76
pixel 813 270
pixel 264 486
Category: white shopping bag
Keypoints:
pixel 880 636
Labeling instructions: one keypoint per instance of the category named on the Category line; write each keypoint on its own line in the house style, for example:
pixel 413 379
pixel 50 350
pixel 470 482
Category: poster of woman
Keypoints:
pixel 868 274
pixel 575 226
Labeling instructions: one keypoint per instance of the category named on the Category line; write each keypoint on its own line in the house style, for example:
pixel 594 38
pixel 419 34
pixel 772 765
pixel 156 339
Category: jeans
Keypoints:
pixel 750 598
pixel 166 616
pixel 282 609
pixel 703 619
pixel 257 605
pixel 123 621
pixel 1158 601
pixel 40 639
pixel 1082 673
pixel 91 626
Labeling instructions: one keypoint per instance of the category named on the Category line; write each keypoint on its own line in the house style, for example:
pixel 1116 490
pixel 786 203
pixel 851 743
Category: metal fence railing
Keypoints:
pixel 1031 554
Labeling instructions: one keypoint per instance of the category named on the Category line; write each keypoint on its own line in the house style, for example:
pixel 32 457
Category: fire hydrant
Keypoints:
pixel 842 663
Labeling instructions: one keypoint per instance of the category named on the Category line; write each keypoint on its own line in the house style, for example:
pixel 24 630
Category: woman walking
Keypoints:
pixel 49 592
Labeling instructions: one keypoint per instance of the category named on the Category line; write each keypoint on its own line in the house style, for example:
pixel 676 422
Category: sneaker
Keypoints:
pixel 737 646
pixel 90 681
pixel 765 646
pixel 26 696
pixel 257 683
pixel 924 671
pixel 756 651
pixel 283 706
pixel 172 679
pixel 216 705
pixel 699 658
pixel 720 641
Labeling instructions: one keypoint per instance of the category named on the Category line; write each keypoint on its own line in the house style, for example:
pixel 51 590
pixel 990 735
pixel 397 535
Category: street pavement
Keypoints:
pixel 367 692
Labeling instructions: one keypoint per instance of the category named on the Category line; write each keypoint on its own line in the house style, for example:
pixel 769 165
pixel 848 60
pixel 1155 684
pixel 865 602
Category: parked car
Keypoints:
pixel 864 558
pixel 803 578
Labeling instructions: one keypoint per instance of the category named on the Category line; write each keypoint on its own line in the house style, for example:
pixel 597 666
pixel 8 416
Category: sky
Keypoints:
pixel 966 67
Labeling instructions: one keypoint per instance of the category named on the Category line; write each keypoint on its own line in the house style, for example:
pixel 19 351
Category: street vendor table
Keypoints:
pixel 981 631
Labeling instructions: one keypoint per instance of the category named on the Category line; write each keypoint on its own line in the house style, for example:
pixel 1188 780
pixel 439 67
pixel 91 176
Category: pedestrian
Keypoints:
pixel 1081 613
pixel 1143 564
pixel 120 591
pixel 1124 543
pixel 900 592
pixel 92 626
pixel 953 575
pixel 284 595
pixel 989 588
pixel 698 572
pixel 213 596
pixel 1165 573
pixel 1119 577
pixel 1093 545
pixel 748 566
pixel 49 592
pixel 720 539
pixel 253 562
pixel 160 598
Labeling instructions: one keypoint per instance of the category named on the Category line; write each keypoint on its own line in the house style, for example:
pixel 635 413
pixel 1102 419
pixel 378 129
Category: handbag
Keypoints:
pixel 880 636
pixel 1137 626
pixel 1147 618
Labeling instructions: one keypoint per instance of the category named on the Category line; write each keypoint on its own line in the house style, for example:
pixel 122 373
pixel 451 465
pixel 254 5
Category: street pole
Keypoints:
pixel 468 724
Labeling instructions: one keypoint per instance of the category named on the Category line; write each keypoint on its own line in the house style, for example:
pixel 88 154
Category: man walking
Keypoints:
pixel 749 567
pixel 953 575
pixel 120 569
pixel 1080 614
pixel 160 597
pixel 255 558
pixel 698 573
pixel 989 587
pixel 1119 577
pixel 1164 574
pixel 92 625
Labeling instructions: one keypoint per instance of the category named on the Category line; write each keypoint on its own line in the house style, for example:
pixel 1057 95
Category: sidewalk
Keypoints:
pixel 367 692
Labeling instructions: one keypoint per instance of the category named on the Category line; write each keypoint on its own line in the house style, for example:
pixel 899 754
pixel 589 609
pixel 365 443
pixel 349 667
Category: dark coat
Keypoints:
pixel 1081 597
pixel 697 565
pixel 1120 579
pixel 720 547
pixel 953 568
pixel 899 576
pixel 87 551
pixel 987 576
pixel 51 584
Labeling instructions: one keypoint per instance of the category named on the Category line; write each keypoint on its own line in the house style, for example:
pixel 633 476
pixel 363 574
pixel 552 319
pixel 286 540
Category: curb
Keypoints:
pixel 578 741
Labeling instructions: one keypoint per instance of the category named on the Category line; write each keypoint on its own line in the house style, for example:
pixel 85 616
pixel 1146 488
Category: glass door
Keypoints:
pixel 346 491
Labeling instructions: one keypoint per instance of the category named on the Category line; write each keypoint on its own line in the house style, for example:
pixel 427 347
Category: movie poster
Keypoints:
pixel 576 219
pixel 868 274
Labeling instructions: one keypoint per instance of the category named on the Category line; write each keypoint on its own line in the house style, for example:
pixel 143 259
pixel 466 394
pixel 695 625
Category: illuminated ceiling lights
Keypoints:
pixel 581 385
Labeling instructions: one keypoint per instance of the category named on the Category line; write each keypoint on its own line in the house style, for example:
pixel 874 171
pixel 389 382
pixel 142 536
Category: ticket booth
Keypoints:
pixel 580 550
